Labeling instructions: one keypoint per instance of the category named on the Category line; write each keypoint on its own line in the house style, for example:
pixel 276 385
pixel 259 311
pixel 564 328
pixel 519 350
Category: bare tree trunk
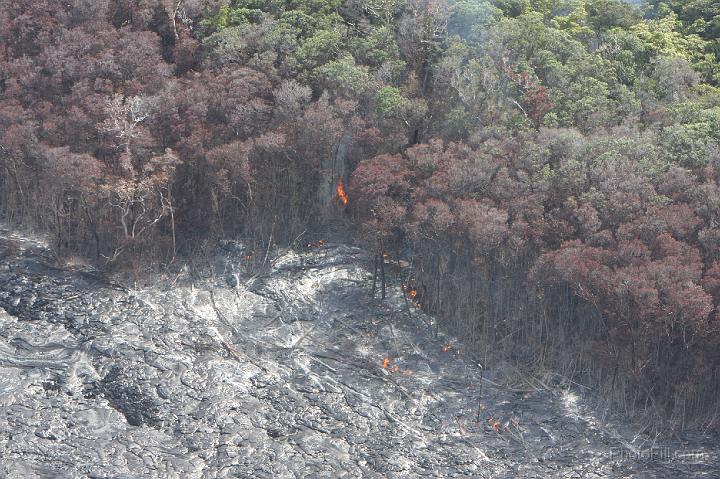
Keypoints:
pixel 174 18
pixel 172 222
pixel 479 397
pixel 375 270
pixel 382 274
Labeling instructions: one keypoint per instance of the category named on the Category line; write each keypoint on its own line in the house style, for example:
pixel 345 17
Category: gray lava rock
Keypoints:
pixel 275 375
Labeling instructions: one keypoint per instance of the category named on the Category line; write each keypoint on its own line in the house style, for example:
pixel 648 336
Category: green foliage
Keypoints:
pixel 598 63
pixel 343 76
pixel 471 17
pixel 315 7
pixel 574 19
pixel 390 103
pixel 376 48
pixel 686 145
pixel 228 45
pixel 514 8
pixel 698 16
pixel 604 15
pixel 320 48
pixel 458 122
pixel 663 37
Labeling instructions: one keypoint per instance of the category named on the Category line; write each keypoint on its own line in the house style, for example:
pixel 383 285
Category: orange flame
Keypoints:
pixel 447 348
pixel 386 365
pixel 341 192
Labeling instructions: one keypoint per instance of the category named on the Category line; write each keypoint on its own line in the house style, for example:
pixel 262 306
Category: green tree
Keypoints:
pixel 343 76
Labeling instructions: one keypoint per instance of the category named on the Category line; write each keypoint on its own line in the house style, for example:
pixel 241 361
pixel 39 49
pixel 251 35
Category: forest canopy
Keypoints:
pixel 567 149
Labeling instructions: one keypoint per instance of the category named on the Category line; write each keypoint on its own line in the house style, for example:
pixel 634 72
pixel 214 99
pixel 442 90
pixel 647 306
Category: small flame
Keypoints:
pixel 412 295
pixel 341 192
pixel 447 348
pixel 386 365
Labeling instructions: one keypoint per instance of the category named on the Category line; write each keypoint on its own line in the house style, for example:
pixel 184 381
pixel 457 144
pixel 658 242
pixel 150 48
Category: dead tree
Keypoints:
pixel 379 257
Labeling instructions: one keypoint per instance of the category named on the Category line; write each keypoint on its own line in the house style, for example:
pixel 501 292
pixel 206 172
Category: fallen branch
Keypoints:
pixel 313 358
pixel 296 343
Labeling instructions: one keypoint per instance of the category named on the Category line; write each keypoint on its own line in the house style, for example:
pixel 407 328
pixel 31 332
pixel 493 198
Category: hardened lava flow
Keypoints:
pixel 292 373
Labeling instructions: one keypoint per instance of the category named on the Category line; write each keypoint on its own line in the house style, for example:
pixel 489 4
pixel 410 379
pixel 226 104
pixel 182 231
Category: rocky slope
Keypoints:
pixel 293 373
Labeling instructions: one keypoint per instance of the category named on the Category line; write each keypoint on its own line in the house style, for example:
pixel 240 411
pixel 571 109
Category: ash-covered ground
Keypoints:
pixel 292 373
